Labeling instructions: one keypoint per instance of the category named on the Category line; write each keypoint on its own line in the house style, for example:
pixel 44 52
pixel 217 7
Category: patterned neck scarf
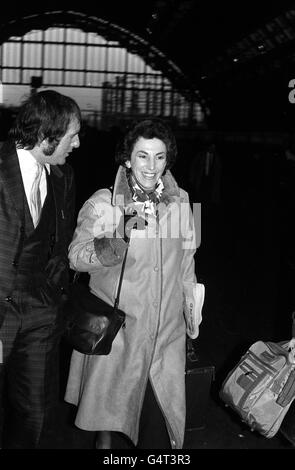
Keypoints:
pixel 149 198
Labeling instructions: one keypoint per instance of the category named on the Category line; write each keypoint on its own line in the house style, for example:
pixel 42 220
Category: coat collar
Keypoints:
pixel 121 188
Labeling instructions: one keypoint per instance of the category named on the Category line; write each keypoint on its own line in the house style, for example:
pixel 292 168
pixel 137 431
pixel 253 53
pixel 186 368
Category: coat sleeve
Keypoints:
pixel 193 292
pixel 93 244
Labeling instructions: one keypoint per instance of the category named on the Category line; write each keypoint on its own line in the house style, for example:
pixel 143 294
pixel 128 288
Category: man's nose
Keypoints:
pixel 76 142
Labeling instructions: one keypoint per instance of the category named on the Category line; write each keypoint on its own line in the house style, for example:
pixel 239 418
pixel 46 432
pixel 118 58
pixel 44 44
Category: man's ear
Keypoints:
pixel 43 144
pixel 128 163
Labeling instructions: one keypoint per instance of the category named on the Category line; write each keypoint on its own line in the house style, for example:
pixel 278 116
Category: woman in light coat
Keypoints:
pixel 136 395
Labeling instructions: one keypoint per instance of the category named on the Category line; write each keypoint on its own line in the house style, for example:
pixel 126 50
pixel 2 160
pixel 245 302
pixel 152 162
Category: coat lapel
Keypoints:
pixel 10 177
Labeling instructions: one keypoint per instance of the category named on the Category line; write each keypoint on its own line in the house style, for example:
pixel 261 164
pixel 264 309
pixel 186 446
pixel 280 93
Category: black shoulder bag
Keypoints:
pixel 91 323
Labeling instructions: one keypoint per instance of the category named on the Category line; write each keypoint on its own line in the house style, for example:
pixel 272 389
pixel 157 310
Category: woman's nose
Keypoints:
pixel 151 163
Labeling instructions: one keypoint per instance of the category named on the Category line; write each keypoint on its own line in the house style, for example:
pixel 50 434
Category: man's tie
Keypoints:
pixel 36 205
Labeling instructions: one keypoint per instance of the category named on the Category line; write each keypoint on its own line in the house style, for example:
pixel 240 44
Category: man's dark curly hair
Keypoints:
pixel 148 129
pixel 44 115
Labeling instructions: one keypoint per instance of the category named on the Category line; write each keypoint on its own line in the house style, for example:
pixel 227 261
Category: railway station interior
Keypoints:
pixel 223 76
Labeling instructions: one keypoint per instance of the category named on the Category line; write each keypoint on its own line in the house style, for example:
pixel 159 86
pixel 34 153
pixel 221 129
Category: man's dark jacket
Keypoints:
pixel 13 230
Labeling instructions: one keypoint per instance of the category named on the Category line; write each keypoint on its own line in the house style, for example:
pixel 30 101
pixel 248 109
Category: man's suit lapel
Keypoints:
pixel 11 178
pixel 57 180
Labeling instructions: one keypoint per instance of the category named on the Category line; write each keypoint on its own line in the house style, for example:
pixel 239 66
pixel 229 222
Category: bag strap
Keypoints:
pixel 77 273
pixel 111 188
pixel 121 279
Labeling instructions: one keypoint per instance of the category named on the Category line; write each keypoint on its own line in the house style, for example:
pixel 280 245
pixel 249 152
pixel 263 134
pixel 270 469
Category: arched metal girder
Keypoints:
pixel 110 31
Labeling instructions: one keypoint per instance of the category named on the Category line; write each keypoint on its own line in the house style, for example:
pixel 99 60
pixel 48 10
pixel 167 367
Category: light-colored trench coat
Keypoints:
pixel 109 390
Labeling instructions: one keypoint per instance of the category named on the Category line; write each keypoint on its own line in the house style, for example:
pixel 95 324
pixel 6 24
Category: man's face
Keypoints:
pixel 65 146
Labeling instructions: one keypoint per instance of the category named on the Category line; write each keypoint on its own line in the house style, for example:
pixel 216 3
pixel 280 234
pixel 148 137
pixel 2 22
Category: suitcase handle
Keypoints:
pixel 289 353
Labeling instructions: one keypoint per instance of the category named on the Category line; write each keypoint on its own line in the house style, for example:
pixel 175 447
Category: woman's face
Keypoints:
pixel 147 162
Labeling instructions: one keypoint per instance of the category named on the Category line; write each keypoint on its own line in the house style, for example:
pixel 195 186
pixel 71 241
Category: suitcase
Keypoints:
pixel 198 381
pixel 288 425
pixel 261 387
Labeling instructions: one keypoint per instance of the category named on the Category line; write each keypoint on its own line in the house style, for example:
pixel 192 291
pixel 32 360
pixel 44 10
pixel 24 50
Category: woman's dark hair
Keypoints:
pixel 44 115
pixel 148 129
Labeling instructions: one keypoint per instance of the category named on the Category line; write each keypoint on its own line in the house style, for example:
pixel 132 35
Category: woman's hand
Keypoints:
pixel 109 251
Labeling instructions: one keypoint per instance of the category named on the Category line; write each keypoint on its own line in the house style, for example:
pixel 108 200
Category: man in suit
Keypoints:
pixel 36 225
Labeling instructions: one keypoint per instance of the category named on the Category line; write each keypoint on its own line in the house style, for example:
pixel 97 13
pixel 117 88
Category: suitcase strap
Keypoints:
pixel 288 392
